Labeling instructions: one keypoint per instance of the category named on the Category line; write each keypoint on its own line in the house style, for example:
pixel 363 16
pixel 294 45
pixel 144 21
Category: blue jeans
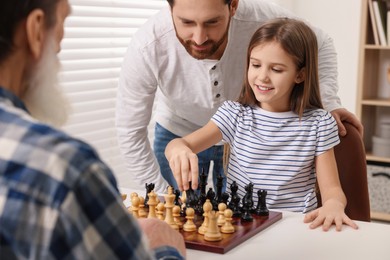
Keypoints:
pixel 215 153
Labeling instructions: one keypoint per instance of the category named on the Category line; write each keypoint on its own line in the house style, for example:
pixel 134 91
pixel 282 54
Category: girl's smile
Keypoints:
pixel 272 75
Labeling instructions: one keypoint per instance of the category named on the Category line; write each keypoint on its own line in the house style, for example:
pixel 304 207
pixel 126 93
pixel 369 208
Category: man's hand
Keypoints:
pixel 342 115
pixel 159 233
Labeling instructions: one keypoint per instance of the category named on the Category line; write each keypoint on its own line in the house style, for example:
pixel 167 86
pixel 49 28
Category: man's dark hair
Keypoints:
pixel 171 2
pixel 13 12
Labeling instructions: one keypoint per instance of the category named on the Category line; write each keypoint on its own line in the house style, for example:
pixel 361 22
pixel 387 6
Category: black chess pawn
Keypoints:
pixel 233 200
pixel 246 210
pixel 225 198
pixel 235 206
pixel 149 187
pixel 211 196
pixel 261 209
pixel 199 206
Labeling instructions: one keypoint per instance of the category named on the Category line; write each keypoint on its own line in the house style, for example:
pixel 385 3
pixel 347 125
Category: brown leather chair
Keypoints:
pixel 351 163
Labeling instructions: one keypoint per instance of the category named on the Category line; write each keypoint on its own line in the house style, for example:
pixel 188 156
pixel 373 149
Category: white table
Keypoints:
pixel 290 239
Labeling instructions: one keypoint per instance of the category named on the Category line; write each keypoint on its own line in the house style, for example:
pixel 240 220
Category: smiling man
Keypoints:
pixel 191 55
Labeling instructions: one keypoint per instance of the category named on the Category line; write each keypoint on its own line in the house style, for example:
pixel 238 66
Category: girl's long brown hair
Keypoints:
pixel 299 41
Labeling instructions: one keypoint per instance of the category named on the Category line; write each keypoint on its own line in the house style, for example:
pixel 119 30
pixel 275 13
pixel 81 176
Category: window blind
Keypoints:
pixel 96 37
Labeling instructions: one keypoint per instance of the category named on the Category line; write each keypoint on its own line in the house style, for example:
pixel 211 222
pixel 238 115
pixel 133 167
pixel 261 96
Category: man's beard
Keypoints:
pixel 43 98
pixel 207 53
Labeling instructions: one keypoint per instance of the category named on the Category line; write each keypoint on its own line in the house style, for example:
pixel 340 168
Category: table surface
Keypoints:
pixel 290 238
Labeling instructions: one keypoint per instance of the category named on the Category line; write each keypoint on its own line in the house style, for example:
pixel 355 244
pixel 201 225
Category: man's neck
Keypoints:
pixel 11 75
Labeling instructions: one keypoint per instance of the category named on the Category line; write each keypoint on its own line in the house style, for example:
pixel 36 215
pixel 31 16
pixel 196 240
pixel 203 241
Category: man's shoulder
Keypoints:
pixel 259 11
pixel 157 29
pixel 34 141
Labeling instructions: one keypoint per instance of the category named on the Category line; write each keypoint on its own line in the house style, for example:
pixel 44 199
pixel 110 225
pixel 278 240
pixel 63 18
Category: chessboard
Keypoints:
pixel 164 208
pixel 243 231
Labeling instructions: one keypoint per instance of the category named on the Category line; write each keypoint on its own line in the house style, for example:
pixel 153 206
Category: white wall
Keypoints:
pixel 341 20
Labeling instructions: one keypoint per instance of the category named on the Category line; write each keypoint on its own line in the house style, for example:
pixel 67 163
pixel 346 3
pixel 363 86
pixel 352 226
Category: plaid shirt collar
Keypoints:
pixel 8 95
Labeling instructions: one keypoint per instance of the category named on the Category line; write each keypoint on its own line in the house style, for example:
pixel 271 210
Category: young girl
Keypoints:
pixel 280 138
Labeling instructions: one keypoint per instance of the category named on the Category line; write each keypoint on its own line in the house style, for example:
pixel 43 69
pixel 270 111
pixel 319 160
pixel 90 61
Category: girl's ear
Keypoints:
pixel 300 76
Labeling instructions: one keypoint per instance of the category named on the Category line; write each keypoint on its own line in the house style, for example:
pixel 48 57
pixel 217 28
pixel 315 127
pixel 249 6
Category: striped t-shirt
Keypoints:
pixel 276 151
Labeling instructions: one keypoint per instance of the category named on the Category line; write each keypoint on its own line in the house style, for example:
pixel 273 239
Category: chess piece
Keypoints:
pixel 219 188
pixel 152 204
pixel 211 196
pixel 176 216
pixel 189 226
pixel 191 197
pixel 246 212
pixel 141 211
pixel 203 182
pixel 199 205
pixel 123 196
pixel 221 217
pixel 207 208
pixel 212 232
pixel 235 200
pixel 236 207
pixel 225 198
pixel 228 228
pixel 177 198
pixel 261 209
pixel 183 200
pixel 135 201
pixel 132 195
pixel 169 199
pixel 149 187
pixel 160 210
pixel 247 203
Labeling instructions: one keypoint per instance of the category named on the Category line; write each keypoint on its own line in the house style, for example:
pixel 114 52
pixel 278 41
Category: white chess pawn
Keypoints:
pixel 221 217
pixel 135 201
pixel 176 216
pixel 160 210
pixel 228 228
pixel 189 226
pixel 141 211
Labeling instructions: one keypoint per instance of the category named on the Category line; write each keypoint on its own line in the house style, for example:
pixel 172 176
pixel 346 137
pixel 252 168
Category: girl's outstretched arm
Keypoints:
pixel 181 154
pixel 333 198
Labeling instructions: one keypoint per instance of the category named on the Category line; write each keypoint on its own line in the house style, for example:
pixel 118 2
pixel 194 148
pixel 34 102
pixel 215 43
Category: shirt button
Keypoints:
pixel 215 83
pixel 214 67
pixel 218 95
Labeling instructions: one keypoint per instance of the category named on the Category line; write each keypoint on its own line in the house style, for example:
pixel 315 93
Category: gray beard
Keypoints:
pixel 44 99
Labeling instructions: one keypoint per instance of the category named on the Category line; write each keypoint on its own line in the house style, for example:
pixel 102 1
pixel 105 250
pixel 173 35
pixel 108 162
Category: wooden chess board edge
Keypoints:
pixel 222 249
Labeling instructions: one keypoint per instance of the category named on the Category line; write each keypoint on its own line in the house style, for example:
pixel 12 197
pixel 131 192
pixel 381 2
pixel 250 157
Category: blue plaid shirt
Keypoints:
pixel 58 200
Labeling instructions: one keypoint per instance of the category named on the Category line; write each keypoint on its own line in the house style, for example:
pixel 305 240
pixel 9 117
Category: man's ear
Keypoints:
pixel 233 7
pixel 35 30
pixel 301 76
